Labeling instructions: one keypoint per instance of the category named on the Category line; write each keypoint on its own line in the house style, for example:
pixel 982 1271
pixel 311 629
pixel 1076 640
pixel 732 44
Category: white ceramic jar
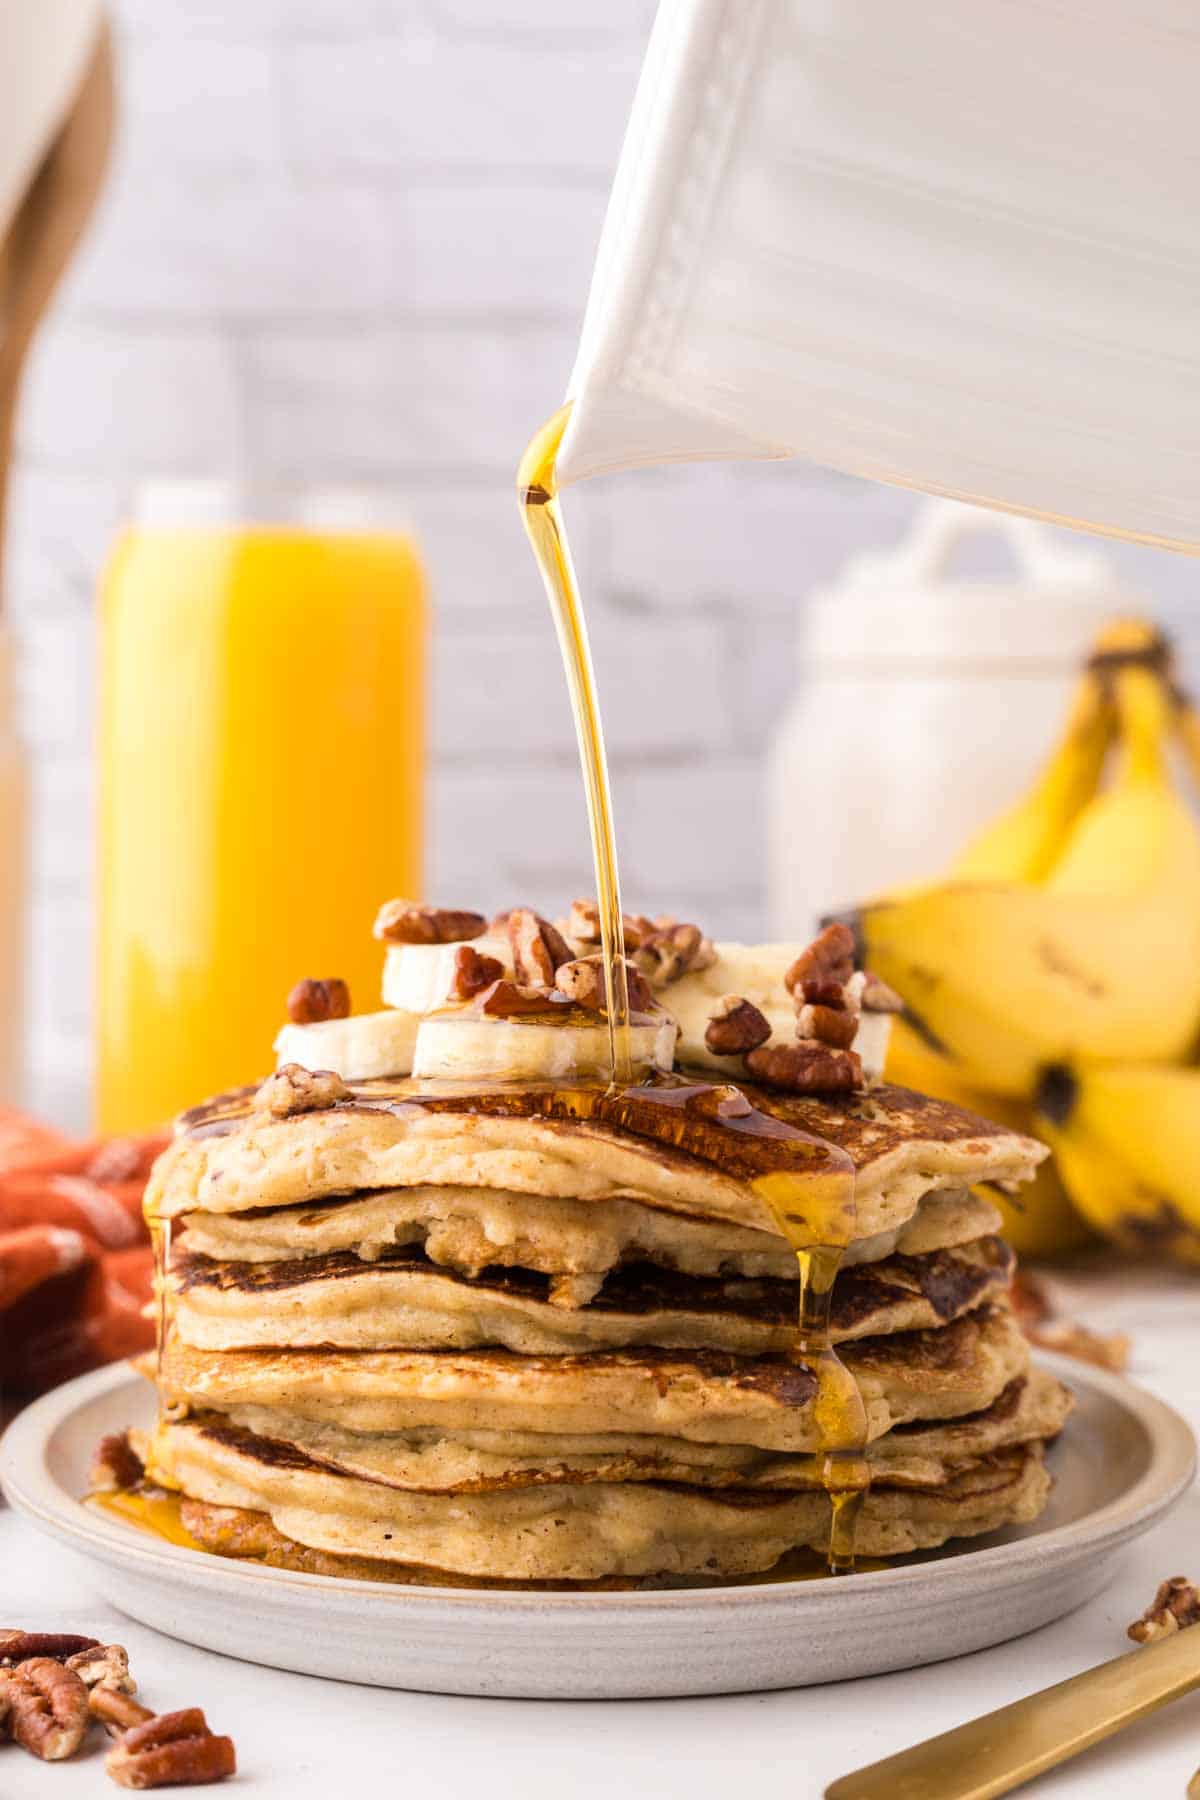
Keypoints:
pixel 925 704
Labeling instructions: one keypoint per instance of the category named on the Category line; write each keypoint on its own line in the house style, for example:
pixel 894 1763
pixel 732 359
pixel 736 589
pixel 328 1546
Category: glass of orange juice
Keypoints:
pixel 261 755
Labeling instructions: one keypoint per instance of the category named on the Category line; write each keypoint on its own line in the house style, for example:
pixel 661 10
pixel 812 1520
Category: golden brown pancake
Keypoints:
pixel 404 1299
pixel 702 1396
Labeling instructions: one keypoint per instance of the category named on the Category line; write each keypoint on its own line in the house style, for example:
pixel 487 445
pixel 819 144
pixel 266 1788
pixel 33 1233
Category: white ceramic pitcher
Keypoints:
pixel 953 245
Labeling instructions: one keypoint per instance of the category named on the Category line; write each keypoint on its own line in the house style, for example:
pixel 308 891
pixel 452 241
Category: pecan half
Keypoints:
pixel 672 950
pixel 814 992
pixel 583 925
pixel 409 922
pixel 1103 1349
pixel 806 1068
pixel 538 949
pixel 506 1000
pixel 583 982
pixel 312 1002
pixel 116 1709
pixel 18 1646
pixel 47 1708
pixel 473 972
pixel 1174 1607
pixel 292 1089
pixel 171 1750
pixel 107 1665
pixel 735 1026
pixel 830 957
pixel 115 1464
pixel 828 1024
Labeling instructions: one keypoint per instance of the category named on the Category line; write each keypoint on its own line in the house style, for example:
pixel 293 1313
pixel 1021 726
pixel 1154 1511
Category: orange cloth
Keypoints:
pixel 75 1258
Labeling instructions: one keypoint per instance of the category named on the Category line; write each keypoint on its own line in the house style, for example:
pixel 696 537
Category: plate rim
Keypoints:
pixel 34 1492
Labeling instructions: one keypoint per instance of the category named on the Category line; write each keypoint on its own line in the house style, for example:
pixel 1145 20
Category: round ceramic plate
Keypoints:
pixel 1123 1460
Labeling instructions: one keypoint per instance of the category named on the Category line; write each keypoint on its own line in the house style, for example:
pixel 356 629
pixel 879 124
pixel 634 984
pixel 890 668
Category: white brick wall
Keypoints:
pixel 349 241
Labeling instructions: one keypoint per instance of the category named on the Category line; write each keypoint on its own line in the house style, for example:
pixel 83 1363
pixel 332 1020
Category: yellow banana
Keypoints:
pixel 1102 963
pixel 1127 1142
pixel 1041 1221
pixel 1024 843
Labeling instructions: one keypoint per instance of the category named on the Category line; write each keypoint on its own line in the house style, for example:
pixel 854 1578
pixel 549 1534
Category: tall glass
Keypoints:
pixel 261 781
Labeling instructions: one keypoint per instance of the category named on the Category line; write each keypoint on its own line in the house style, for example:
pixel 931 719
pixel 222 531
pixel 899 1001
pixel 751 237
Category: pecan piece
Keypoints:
pixel 583 982
pixel 830 957
pixel 877 996
pixel 583 925
pixel 47 1708
pixel 473 972
pixel 409 922
pixel 116 1708
pixel 19 1646
pixel 806 1068
pixel 828 1024
pixel 292 1089
pixel 1174 1607
pixel 735 1026
pixel 1103 1349
pixel 171 1750
pixel 719 1102
pixel 107 1666
pixel 115 1465
pixel 538 949
pixel 312 1002
pixel 672 950
pixel 506 1000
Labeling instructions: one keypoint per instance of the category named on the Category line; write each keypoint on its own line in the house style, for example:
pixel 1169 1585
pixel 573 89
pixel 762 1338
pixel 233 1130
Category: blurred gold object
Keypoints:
pixel 1004 1749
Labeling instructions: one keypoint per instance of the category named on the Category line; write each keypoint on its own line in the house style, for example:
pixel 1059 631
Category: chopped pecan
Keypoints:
pixel 877 996
pixel 735 1026
pixel 583 925
pixel 672 950
pixel 583 982
pixel 1175 1606
pixel 47 1708
pixel 830 957
pixel 408 922
pixel 828 1024
pixel 815 992
pixel 292 1089
pixel 171 1750
pixel 806 1068
pixel 312 1002
pixel 115 1464
pixel 473 972
pixel 18 1646
pixel 507 1000
pixel 538 949
pixel 107 1665
pixel 116 1709
pixel 1105 1350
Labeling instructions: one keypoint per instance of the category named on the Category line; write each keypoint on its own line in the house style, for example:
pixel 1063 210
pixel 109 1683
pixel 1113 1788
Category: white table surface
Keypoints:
pixel 299 1738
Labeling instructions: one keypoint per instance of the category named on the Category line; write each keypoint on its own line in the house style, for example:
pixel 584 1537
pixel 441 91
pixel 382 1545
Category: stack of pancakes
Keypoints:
pixel 486 1337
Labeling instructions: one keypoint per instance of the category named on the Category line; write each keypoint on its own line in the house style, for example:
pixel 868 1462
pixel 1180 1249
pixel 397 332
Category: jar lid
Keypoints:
pixel 901 605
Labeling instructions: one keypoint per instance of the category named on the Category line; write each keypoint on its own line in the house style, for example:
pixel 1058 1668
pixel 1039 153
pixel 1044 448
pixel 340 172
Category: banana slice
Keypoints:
pixel 464 1046
pixel 417 977
pixel 755 972
pixel 359 1048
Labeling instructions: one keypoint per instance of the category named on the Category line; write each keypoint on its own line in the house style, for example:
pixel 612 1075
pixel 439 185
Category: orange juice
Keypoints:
pixel 261 775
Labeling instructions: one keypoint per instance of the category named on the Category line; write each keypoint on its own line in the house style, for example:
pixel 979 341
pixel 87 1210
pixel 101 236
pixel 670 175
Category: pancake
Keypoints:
pixel 584 1532
pixel 404 1299
pixel 580 1241
pixel 918 1455
pixel 903 1145
pixel 702 1396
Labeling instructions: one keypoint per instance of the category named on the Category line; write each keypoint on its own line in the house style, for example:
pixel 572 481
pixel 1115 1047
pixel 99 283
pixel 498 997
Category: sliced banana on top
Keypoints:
pixel 419 977
pixel 361 1048
pixel 466 1045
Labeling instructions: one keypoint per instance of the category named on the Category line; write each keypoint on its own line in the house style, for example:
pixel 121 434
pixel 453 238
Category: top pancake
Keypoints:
pixel 902 1145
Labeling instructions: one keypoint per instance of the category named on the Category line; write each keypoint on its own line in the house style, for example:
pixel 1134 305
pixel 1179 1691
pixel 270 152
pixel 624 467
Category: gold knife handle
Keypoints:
pixel 1004 1749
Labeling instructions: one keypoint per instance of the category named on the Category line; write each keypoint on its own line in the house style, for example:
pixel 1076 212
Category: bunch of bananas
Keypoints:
pixel 1052 979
